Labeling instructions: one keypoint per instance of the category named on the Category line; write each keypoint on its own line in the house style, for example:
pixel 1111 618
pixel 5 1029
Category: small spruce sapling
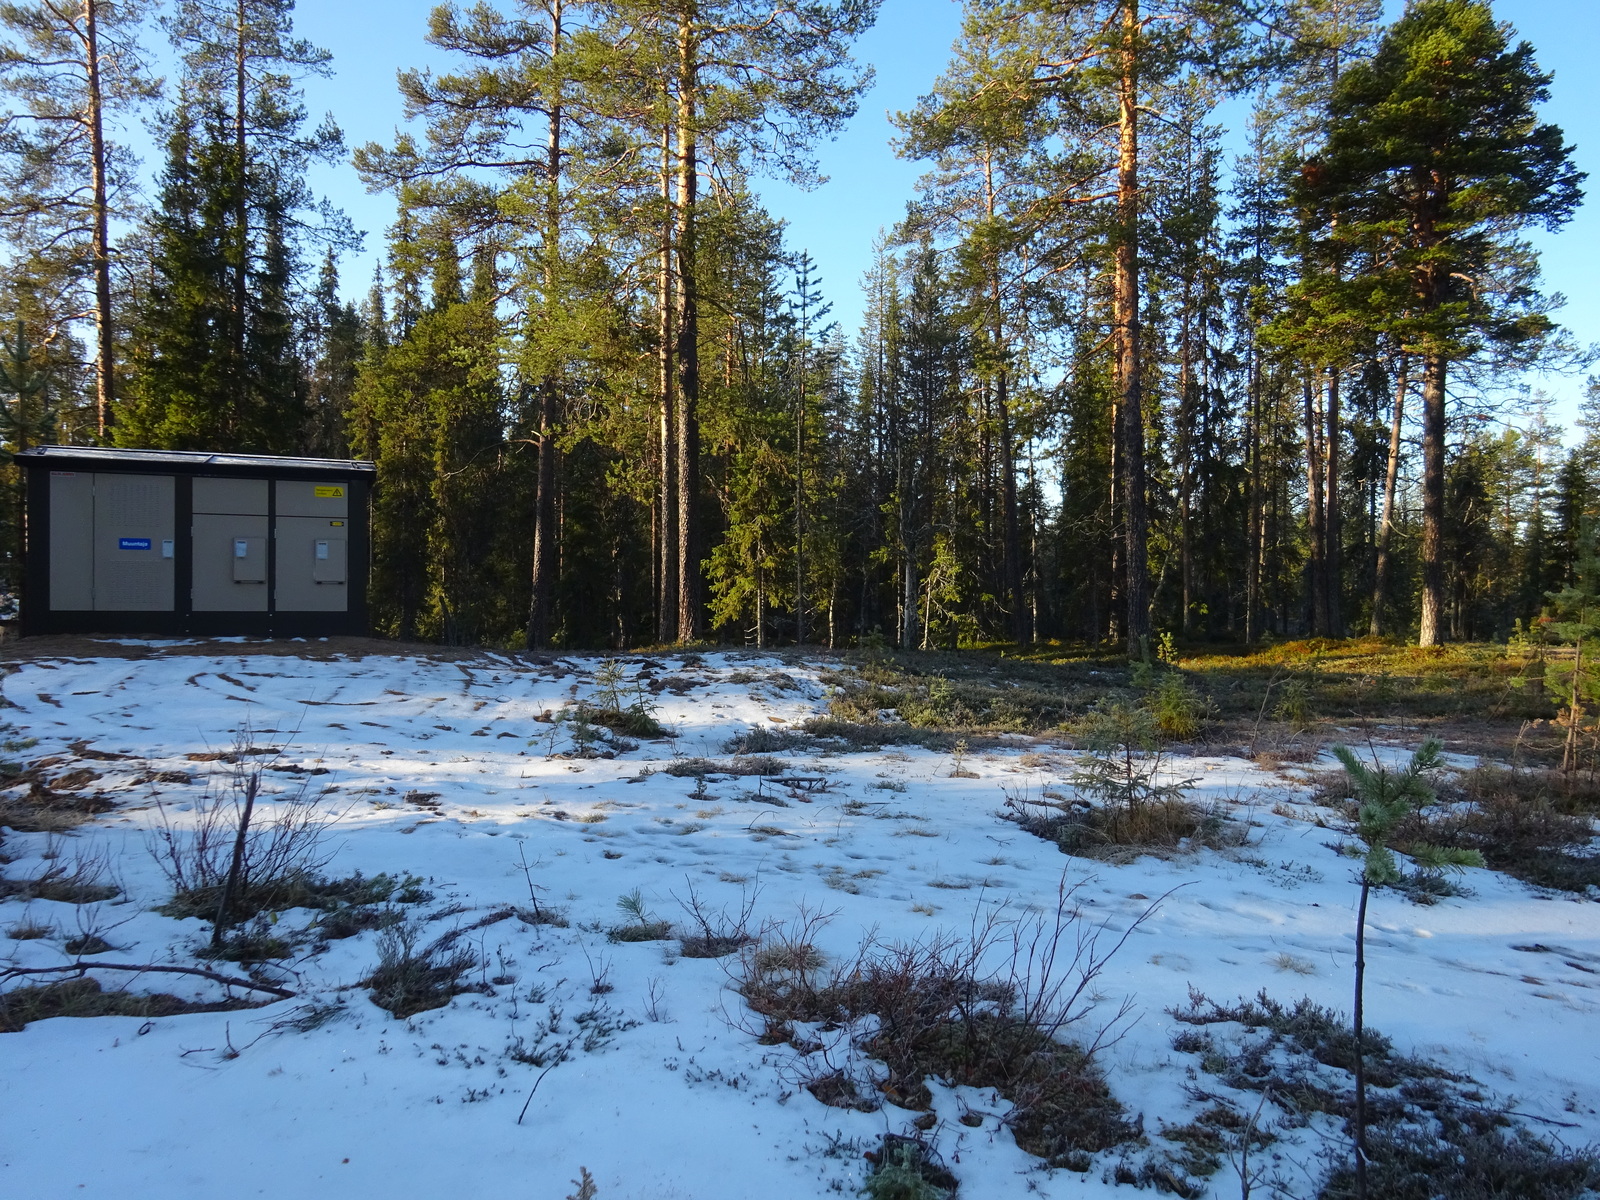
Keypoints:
pixel 1386 798
pixel 608 684
pixel 1125 759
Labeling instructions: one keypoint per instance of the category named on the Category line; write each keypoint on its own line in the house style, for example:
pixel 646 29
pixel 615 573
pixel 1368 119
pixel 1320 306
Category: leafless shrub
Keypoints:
pixel 654 1010
pixel 84 877
pixel 537 913
pixel 713 934
pixel 993 1009
pixel 232 859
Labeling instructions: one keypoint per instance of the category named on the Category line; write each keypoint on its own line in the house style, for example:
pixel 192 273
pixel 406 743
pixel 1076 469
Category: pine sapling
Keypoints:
pixel 585 1185
pixel 1387 798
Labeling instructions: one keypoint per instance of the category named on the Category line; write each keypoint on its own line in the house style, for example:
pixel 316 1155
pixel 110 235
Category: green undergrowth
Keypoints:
pixel 346 902
pixel 413 976
pixel 740 765
pixel 1233 693
pixel 1166 826
pixel 1537 826
pixel 906 1168
pixel 629 722
pixel 1534 825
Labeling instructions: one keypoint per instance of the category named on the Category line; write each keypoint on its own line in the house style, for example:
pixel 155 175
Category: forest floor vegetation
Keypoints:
pixel 819 937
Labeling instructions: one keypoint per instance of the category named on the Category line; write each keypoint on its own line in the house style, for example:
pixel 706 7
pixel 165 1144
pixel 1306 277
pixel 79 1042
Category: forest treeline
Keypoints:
pixel 1122 370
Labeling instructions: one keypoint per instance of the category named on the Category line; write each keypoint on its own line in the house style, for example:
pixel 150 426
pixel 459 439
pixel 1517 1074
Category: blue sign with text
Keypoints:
pixel 133 543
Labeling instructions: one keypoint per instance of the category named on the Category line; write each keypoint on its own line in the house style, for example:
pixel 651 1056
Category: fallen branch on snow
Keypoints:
pixel 83 968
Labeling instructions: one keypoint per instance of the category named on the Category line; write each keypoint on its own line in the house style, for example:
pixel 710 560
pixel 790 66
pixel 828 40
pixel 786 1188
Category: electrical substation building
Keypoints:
pixel 166 542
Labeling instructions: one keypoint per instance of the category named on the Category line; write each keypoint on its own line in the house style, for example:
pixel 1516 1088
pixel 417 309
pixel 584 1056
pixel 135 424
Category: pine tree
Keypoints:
pixel 72 70
pixel 1434 158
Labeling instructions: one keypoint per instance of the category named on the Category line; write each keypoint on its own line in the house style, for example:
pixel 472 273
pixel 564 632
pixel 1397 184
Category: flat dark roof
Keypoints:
pixel 196 461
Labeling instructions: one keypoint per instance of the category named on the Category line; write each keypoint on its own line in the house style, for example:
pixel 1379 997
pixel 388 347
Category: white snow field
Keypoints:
pixel 667 1092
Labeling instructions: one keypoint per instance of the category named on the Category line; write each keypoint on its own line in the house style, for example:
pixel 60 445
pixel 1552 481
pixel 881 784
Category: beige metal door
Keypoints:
pixel 133 543
pixel 226 580
pixel 71 541
pixel 310 553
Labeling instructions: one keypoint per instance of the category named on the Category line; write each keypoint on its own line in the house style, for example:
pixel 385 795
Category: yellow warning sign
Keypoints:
pixel 329 493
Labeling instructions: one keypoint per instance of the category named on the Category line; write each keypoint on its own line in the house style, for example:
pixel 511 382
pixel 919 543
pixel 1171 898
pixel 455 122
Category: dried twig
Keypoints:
pixel 83 968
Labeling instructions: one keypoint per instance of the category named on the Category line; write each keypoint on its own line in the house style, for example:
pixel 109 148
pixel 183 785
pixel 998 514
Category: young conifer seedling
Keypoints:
pixel 1386 798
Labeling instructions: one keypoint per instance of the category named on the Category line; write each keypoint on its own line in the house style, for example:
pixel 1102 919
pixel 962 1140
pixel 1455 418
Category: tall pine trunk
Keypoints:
pixel 1333 527
pixel 1252 533
pixel 546 563
pixel 688 431
pixel 1380 574
pixel 1316 528
pixel 667 499
pixel 1185 471
pixel 1433 435
pixel 800 500
pixel 1125 315
pixel 104 378
pixel 1016 603
pixel 241 272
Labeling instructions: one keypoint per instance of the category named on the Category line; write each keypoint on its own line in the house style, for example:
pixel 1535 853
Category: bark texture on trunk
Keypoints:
pixel 546 559
pixel 1333 522
pixel 105 338
pixel 1125 316
pixel 688 431
pixel 1021 631
pixel 1431 632
pixel 667 499
pixel 1253 539
pixel 1318 565
pixel 1380 573
pixel 241 273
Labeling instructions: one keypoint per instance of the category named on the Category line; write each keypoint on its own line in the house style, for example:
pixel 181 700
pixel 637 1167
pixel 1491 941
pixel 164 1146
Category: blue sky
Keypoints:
pixel 868 186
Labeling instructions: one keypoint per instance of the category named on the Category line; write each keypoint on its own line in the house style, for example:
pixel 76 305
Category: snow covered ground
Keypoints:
pixel 672 1097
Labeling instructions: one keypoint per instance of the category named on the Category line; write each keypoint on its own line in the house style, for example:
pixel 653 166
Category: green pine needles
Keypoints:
pixel 1386 799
